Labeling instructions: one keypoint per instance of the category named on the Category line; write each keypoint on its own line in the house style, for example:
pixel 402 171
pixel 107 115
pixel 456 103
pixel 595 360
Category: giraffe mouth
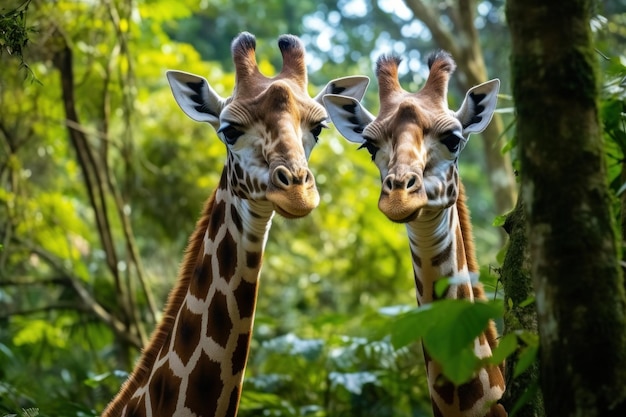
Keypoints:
pixel 400 206
pixel 292 191
pixel 288 215
pixel 406 219
pixel 294 203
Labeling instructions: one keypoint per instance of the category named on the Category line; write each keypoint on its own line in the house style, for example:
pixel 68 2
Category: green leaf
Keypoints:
pixel 458 323
pixel 448 329
pixel 441 286
pixel 506 346
pixel 460 367
pixel 410 327
pixel 527 302
pixel 498 221
pixel 527 357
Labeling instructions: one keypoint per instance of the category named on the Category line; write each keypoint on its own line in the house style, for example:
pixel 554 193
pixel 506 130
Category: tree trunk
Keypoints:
pixel 572 236
pixel 520 314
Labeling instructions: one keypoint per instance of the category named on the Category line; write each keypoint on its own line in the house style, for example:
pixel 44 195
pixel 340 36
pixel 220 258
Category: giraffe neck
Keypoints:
pixel 438 251
pixel 441 246
pixel 195 361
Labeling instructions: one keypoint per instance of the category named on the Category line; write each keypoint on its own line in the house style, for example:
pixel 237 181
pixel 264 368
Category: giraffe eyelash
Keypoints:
pixel 317 130
pixel 371 148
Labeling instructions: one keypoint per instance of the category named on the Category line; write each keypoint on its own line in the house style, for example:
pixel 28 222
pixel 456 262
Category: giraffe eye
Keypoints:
pixel 230 133
pixel 318 129
pixel 369 145
pixel 452 140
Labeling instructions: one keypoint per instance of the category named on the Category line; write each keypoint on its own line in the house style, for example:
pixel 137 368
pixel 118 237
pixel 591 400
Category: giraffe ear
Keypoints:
pixel 352 86
pixel 478 107
pixel 348 116
pixel 195 97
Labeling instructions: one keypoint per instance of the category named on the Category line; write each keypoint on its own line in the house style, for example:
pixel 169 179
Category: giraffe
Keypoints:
pixel 194 362
pixel 415 142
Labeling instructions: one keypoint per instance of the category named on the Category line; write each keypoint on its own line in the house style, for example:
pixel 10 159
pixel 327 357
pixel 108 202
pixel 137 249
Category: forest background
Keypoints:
pixel 103 177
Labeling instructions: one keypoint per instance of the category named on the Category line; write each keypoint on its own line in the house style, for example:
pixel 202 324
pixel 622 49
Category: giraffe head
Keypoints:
pixel 269 125
pixel 416 139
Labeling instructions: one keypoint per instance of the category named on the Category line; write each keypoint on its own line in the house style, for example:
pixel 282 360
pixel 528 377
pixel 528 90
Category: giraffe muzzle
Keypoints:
pixel 402 197
pixel 292 191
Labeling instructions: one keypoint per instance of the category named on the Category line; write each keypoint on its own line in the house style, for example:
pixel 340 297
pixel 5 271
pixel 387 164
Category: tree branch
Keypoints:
pixel 90 304
pixel 441 35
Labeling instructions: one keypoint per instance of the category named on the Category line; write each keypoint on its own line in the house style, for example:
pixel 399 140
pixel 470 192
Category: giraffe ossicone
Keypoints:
pixel 195 360
pixel 415 141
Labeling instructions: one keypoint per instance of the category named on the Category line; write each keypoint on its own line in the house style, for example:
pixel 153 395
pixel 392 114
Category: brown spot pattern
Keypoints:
pixel 445 389
pixel 450 190
pixel 219 323
pixel 238 171
pixel 463 292
pixel 469 393
pixel 240 355
pixel 233 402
pixel 442 256
pixel 164 391
pixel 203 278
pixel 436 411
pixel 450 173
pixel 245 295
pixel 227 254
pixel 253 259
pixel 166 345
pixel 419 286
pixel 217 219
pixel 417 261
pixel 205 387
pixel 136 407
pixel 236 218
pixel 187 334
pixel 223 180
pixel 495 377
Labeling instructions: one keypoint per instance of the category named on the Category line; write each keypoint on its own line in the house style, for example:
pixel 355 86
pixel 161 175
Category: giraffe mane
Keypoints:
pixel 174 301
pixel 466 230
pixel 472 265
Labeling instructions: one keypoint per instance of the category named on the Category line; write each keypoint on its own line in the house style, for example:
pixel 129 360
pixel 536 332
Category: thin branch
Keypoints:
pixel 440 33
pixel 44 309
pixel 65 281
pixel 90 303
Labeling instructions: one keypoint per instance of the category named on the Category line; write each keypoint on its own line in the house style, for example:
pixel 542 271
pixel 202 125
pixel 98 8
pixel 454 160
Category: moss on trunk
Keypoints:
pixel 520 314
pixel 572 239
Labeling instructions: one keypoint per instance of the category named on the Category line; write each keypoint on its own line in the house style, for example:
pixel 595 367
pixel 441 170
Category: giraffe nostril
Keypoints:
pixel 389 183
pixel 411 182
pixel 281 177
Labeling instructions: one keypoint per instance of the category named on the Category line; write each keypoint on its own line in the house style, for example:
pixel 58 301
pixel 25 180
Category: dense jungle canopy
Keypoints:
pixel 102 179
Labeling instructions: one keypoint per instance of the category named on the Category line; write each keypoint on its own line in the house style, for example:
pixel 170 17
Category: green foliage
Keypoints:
pixel 321 347
pixel 448 329
pixel 14 32
pixel 351 375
